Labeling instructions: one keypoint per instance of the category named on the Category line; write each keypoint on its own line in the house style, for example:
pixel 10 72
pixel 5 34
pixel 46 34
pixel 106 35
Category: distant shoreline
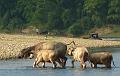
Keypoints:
pixel 111 39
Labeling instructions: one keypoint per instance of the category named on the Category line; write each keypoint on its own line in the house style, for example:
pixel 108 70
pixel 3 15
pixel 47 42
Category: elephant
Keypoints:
pixel 52 52
pixel 103 58
pixel 80 54
pixel 31 51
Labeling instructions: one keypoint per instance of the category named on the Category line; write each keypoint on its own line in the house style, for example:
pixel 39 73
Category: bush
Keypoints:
pixel 80 27
pixel 76 29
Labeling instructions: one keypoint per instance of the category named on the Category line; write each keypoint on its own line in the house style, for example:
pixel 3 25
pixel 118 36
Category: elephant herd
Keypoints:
pixel 55 52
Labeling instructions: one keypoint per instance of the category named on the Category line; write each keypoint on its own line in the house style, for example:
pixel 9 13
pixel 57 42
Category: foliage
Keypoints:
pixel 75 17
pixel 114 12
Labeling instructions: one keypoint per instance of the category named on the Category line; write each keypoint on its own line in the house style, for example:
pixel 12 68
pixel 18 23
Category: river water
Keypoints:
pixel 23 67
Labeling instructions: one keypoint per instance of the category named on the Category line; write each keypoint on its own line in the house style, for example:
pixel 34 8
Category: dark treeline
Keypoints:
pixel 69 16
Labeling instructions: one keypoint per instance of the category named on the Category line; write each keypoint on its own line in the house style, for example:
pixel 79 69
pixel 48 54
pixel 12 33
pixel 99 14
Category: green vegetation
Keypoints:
pixel 73 17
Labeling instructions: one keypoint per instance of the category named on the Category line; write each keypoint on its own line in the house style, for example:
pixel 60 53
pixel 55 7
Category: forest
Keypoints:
pixel 72 17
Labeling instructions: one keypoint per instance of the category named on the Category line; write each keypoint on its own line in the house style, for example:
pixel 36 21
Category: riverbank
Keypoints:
pixel 11 45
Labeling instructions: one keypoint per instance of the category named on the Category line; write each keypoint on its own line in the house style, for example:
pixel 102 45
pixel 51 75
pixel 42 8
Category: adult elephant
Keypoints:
pixel 80 54
pixel 103 58
pixel 31 51
pixel 51 52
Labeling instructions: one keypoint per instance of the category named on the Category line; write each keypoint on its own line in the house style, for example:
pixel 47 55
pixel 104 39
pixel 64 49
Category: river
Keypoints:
pixel 23 67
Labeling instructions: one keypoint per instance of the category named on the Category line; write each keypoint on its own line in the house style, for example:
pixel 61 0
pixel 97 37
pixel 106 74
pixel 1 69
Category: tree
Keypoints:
pixel 97 10
pixel 114 12
pixel 75 16
pixel 68 17
pixel 76 29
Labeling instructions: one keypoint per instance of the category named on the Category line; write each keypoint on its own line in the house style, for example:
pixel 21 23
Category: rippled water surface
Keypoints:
pixel 23 67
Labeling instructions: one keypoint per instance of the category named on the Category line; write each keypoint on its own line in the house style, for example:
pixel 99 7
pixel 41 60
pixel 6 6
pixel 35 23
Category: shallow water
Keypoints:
pixel 23 67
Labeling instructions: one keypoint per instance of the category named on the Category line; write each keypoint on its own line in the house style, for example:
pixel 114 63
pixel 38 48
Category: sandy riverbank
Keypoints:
pixel 11 45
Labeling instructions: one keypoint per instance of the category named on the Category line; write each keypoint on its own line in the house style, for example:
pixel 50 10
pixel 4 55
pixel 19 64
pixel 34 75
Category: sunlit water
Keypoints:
pixel 23 67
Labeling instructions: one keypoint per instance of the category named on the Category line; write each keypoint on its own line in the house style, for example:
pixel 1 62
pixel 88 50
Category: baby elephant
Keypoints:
pixel 104 58
pixel 80 54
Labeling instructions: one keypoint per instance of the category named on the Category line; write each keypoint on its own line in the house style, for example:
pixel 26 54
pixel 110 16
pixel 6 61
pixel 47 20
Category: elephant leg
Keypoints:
pixel 92 65
pixel 95 65
pixel 59 61
pixel 108 65
pixel 54 63
pixel 31 56
pixel 43 64
pixel 63 60
pixel 83 65
pixel 72 63
pixel 35 63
